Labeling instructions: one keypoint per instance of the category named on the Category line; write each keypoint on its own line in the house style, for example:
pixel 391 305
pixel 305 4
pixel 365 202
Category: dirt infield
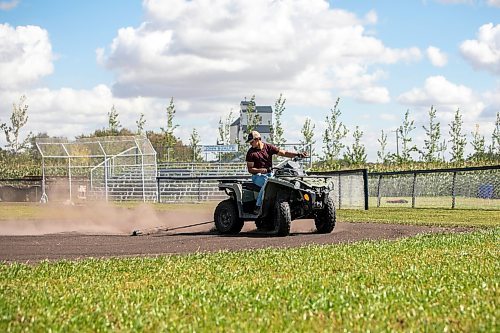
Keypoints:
pixel 26 248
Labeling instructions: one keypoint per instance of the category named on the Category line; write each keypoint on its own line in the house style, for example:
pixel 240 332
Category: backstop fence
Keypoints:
pixel 110 168
pixel 468 188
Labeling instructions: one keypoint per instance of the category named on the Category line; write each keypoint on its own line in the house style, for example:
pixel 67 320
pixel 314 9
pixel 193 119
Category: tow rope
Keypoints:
pixel 165 228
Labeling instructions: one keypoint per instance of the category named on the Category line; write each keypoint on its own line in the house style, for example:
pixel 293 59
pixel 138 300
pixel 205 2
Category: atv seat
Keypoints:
pixel 250 186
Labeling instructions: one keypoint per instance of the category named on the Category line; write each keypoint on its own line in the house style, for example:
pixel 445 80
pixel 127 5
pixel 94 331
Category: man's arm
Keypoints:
pixel 253 171
pixel 290 154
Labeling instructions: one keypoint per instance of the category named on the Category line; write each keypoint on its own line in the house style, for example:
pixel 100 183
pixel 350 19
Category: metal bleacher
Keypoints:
pixel 192 182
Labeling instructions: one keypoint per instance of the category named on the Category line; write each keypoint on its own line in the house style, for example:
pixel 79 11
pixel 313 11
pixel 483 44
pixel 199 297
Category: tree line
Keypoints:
pixel 335 153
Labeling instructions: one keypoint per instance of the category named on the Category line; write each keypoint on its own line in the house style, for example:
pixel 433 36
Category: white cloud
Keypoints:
pixel 8 5
pixel 452 2
pixel 69 112
pixel 436 56
pixel 484 52
pixel 447 97
pixel 223 49
pixel 437 90
pixel 25 55
pixel 494 3
pixel 388 117
pixel 492 100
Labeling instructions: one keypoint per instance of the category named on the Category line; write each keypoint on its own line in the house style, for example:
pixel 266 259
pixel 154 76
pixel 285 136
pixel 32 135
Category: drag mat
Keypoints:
pixel 72 246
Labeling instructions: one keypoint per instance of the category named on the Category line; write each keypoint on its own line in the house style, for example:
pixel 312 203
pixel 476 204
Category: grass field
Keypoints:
pixel 419 216
pixel 447 282
pixel 436 202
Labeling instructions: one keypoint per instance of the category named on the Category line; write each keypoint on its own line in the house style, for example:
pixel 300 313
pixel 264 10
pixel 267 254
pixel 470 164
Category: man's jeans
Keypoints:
pixel 260 179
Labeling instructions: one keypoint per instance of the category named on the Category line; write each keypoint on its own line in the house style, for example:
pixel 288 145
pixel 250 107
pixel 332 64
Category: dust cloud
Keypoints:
pixel 101 218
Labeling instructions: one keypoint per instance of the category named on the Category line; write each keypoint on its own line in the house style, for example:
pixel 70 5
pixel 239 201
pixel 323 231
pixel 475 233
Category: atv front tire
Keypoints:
pixel 226 217
pixel 264 223
pixel 325 219
pixel 282 218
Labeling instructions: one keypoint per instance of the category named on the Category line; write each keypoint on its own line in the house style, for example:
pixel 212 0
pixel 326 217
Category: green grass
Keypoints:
pixel 437 202
pixel 447 282
pixel 423 216
pixel 419 216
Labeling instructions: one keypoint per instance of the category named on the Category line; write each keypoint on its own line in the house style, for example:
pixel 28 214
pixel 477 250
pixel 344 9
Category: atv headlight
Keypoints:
pixel 306 197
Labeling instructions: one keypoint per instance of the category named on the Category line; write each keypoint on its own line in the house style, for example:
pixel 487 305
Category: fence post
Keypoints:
pixel 340 193
pixel 378 190
pixel 453 190
pixel 199 189
pixel 365 181
pixel 413 190
pixel 158 195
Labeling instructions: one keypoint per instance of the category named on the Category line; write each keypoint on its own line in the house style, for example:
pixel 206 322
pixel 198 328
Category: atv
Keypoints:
pixel 290 194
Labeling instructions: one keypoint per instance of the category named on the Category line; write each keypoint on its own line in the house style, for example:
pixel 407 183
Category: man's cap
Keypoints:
pixel 253 135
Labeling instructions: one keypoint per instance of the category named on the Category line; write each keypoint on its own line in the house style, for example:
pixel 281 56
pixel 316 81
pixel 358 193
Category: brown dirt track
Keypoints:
pixel 73 245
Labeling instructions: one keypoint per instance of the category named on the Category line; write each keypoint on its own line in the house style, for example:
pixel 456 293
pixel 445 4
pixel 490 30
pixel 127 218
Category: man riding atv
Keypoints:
pixel 259 160
pixel 280 197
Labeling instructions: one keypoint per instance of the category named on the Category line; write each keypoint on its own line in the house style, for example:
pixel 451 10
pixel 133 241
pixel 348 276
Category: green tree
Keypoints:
pixel 382 155
pixel 334 133
pixel 225 129
pixel 169 139
pixel 457 139
pixel 406 139
pixel 495 138
pixel 356 154
pixel 276 128
pixel 18 119
pixel 253 118
pixel 140 124
pixel 113 122
pixel 478 146
pixel 194 144
pixel 432 144
pixel 308 136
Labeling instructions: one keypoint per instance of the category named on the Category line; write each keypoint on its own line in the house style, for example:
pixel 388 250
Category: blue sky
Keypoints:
pixel 75 59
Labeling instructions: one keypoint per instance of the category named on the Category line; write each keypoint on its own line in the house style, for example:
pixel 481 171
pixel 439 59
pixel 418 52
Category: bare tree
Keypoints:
pixel 18 119
pixel 308 136
pixel 432 145
pixel 382 155
pixel 458 140
pixel 225 129
pixel 113 122
pixel 194 144
pixel 478 144
pixel 356 154
pixel 334 133
pixel 169 138
pixel 253 118
pixel 140 124
pixel 406 139
pixel 495 138
pixel 276 128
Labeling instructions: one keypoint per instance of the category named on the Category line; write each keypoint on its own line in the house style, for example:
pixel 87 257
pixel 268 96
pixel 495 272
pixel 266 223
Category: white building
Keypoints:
pixel 239 128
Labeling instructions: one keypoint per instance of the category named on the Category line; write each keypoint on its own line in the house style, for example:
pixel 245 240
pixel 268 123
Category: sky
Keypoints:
pixel 74 60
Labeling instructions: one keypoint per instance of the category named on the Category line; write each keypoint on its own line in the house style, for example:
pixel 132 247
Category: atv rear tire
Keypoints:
pixel 282 218
pixel 226 217
pixel 325 219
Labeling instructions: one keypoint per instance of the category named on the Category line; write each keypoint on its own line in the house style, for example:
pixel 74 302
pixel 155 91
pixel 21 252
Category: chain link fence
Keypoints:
pixel 464 188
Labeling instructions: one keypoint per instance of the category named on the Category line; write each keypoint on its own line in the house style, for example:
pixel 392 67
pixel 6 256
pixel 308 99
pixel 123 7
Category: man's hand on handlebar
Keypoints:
pixel 301 154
